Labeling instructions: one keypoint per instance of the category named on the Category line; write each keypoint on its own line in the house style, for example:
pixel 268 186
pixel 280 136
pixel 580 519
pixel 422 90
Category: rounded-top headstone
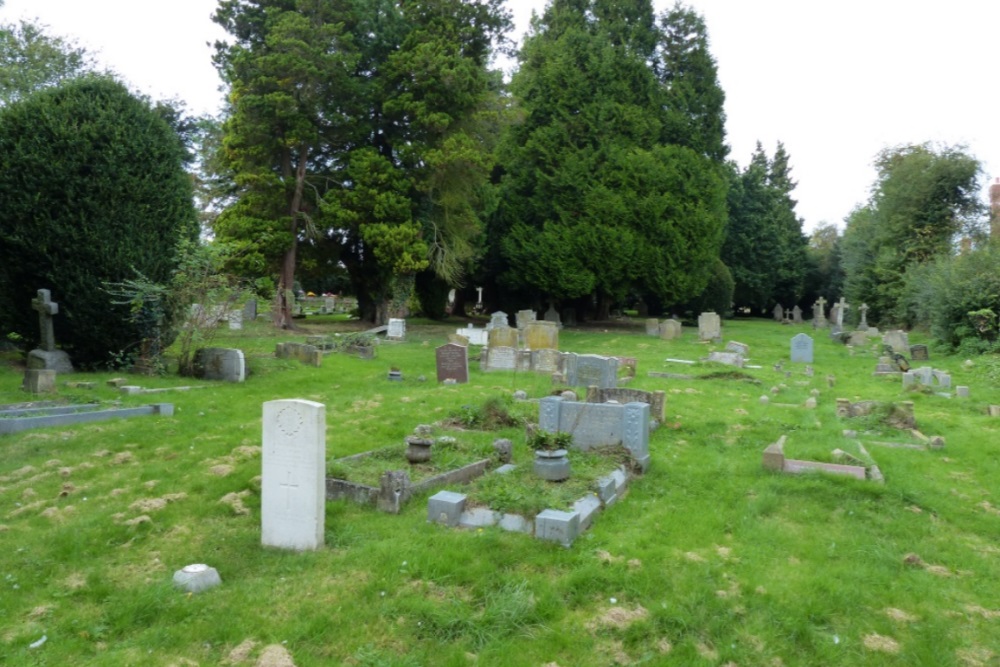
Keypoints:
pixel 520 395
pixel 196 578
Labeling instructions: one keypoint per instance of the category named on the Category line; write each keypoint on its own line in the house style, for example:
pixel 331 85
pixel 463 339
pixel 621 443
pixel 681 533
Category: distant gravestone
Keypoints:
pixel 524 318
pixel 397 329
pixel 858 338
pixel 735 346
pixel 898 340
pixel 670 329
pixel 46 356
pixel 452 363
pixel 863 324
pixel 802 349
pixel 727 358
pixel 834 311
pixel 591 369
pixel 797 315
pixel 293 474
pixel 919 353
pixel 541 336
pixel 235 320
pixel 842 307
pixel 473 335
pixel 552 315
pixel 250 310
pixel 652 327
pixel 502 336
pixel 819 313
pixel 220 363
pixel 498 319
pixel 546 360
pixel 779 313
pixel 709 326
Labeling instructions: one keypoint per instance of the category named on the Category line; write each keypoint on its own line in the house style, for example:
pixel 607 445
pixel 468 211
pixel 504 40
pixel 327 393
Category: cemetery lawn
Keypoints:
pixel 707 560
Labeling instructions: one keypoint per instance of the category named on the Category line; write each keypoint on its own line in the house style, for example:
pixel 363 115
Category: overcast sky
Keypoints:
pixel 836 82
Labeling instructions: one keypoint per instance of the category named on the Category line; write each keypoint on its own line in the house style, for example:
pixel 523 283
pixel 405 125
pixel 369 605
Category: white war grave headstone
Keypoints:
pixel 397 329
pixel 293 481
pixel 46 356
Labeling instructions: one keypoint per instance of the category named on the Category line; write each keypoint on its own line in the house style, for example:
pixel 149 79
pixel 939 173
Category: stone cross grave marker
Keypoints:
pixel 46 309
pixel 819 313
pixel 863 324
pixel 841 307
pixel 452 363
pixel 480 301
pixel 293 477
pixel 802 349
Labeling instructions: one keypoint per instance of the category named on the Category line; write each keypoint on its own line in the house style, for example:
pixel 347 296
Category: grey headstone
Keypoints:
pixel 220 363
pixel 452 363
pixel 802 349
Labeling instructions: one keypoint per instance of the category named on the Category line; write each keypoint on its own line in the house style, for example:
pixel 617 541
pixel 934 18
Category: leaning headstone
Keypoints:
pixel 797 315
pixel 727 358
pixel 293 474
pixel 652 327
pixel 670 329
pixel 802 349
pixel 524 318
pixel 452 363
pixel 898 340
pixel 742 348
pixel 919 353
pixel 397 329
pixel 541 336
pixel 46 356
pixel 709 326
pixel 220 363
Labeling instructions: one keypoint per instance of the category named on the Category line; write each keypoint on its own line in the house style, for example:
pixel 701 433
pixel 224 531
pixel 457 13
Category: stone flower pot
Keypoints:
pixel 552 465
pixel 418 450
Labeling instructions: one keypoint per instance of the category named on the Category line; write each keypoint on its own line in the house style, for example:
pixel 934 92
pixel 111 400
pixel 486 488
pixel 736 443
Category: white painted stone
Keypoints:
pixel 293 484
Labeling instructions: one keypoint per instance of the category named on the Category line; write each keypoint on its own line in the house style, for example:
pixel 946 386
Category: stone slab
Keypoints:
pixel 556 526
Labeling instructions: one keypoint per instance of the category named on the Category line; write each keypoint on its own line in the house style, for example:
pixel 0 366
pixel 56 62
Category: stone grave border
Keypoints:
pixel 12 421
pixel 560 526
pixel 391 500
pixel 774 459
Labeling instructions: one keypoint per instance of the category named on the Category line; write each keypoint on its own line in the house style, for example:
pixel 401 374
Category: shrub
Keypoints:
pixel 94 190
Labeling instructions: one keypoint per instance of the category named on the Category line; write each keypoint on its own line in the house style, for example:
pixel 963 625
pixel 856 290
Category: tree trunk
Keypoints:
pixel 286 279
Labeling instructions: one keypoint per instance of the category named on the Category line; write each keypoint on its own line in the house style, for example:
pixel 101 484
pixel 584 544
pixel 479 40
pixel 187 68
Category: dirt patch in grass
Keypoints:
pixel 900 615
pixel 618 618
pixel 221 470
pixel 880 643
pixel 275 655
pixel 241 653
pixel 154 504
pixel 235 501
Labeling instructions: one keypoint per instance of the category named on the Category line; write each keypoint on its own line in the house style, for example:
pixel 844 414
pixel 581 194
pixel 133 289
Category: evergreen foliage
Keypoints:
pixel 593 200
pixel 765 248
pixel 94 191
pixel 31 60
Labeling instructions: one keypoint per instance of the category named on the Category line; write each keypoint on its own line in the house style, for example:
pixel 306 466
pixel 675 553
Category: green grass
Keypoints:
pixel 709 559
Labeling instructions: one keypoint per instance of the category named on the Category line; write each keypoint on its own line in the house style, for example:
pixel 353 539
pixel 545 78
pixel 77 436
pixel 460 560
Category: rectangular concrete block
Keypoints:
pixel 445 507
pixel 774 455
pixel 607 489
pixel 587 507
pixel 556 526
pixel 478 517
pixel 515 523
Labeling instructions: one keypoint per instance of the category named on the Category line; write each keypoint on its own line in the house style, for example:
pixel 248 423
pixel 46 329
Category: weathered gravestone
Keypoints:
pixel 397 329
pixel 39 381
pixel 541 336
pixel 819 314
pixel 863 324
pixel 652 327
pixel 779 313
pixel 220 363
pixel 236 320
pixel 797 315
pixel 552 315
pixel 670 329
pixel 599 424
pixel 524 317
pixel 727 358
pixel 250 310
pixel 842 307
pixel 452 363
pixel 475 336
pixel 502 336
pixel 709 326
pixel 898 340
pixel 498 319
pixel 500 358
pixel 802 349
pixel 46 356
pixel 591 369
pixel 307 354
pixel 293 474
pixel 919 353
pixel 546 361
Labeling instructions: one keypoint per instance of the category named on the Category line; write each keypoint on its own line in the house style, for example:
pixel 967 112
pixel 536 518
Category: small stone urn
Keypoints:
pixel 418 449
pixel 552 465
